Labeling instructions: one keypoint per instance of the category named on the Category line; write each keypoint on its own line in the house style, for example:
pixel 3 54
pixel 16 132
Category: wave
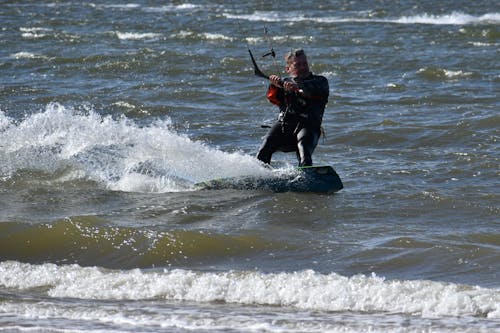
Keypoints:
pixel 34 32
pixel 116 153
pixel 433 73
pixel 455 18
pixel 173 8
pixel 306 290
pixel 136 36
pixel 136 6
pixel 186 34
pixel 27 55
pixel 86 240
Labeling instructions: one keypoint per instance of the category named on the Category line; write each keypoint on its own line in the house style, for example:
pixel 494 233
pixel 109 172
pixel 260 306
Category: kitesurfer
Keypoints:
pixel 302 98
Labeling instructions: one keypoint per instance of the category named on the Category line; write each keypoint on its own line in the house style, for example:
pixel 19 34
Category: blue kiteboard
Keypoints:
pixel 315 179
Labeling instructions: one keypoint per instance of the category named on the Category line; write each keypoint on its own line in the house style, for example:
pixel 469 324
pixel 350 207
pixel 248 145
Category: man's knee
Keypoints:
pixel 264 156
pixel 306 146
pixel 266 150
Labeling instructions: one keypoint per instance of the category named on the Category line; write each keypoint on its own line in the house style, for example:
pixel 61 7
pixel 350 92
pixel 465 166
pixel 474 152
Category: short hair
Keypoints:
pixel 294 54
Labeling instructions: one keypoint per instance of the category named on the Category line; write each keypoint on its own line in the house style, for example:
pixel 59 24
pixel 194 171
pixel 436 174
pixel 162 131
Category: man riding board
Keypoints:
pixel 302 98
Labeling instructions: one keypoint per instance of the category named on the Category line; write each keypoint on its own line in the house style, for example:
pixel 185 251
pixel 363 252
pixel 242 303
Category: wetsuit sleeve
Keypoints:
pixel 317 89
pixel 275 95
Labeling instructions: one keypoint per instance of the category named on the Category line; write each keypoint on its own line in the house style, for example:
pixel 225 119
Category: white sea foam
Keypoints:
pixel 115 152
pixel 454 18
pixel 27 55
pixel 119 6
pixel 270 16
pixel 136 6
pixel 444 73
pixel 306 290
pixel 211 36
pixel 23 55
pixel 34 32
pixel 456 74
pixel 482 44
pixel 33 29
pixel 184 34
pixel 171 8
pixel 136 36
pixel 280 39
pixel 58 317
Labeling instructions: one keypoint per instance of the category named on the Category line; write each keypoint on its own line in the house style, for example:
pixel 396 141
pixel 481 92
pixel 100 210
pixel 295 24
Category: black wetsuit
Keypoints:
pixel 299 123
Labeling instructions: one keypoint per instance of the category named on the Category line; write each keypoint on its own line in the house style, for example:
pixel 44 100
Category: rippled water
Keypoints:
pixel 110 113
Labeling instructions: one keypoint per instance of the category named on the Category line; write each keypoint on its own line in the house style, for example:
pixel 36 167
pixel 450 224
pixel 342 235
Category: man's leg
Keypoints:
pixel 307 142
pixel 271 143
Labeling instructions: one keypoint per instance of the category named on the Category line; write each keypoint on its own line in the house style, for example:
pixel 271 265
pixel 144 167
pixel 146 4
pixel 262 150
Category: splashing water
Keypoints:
pixel 117 153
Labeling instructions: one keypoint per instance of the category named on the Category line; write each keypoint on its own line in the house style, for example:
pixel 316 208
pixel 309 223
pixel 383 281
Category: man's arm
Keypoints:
pixel 316 88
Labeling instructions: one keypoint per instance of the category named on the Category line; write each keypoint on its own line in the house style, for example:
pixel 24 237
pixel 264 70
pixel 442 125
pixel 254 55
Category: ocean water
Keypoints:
pixel 111 112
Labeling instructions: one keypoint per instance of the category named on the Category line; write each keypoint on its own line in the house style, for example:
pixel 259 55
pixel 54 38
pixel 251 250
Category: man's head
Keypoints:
pixel 296 64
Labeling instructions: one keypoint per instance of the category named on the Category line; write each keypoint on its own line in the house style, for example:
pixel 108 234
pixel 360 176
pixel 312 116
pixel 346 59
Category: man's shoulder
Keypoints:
pixel 318 80
pixel 318 77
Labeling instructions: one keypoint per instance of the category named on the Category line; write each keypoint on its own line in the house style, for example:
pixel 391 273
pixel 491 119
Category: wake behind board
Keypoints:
pixel 316 179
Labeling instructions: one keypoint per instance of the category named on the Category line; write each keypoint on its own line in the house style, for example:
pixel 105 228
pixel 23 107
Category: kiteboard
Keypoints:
pixel 315 179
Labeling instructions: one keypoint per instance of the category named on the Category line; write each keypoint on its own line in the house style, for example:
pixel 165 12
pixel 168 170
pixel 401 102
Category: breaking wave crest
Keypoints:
pixel 454 18
pixel 303 290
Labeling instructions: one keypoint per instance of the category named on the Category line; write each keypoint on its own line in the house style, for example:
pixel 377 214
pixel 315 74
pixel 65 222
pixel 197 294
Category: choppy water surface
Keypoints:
pixel 111 112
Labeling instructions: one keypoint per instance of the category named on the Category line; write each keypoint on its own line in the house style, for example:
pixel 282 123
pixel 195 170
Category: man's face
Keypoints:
pixel 298 67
